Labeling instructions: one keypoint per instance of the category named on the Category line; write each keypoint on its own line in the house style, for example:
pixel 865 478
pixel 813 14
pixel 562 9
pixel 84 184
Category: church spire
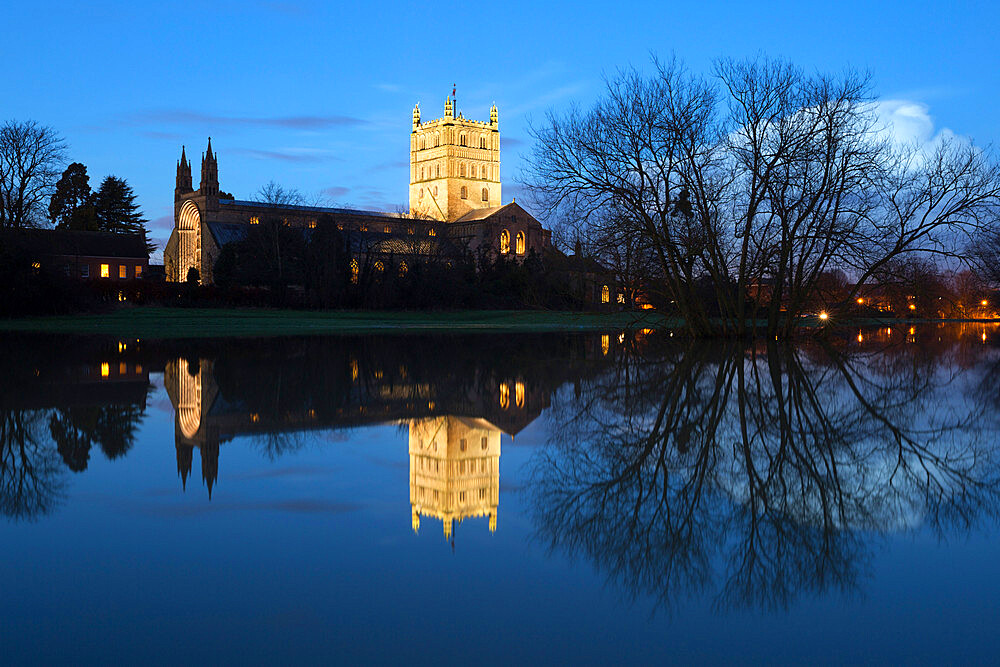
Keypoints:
pixel 183 183
pixel 209 172
pixel 416 115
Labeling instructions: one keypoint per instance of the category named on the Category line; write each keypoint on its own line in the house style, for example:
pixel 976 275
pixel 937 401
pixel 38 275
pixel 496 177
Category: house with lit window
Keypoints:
pixel 78 254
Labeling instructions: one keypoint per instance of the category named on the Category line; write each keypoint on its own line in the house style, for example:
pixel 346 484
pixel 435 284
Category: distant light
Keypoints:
pixel 105 370
pixel 860 300
pixel 861 338
pixel 912 307
pixel 824 316
pixel 985 302
pixel 984 336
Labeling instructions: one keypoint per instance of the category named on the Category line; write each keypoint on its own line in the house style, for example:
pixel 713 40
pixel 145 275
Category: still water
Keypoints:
pixel 561 498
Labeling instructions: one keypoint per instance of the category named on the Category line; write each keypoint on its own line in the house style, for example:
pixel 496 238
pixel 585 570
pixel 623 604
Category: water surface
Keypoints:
pixel 568 498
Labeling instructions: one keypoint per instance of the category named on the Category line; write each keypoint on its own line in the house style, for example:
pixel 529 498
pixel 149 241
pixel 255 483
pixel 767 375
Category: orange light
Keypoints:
pixel 105 370
pixel 912 307
pixel 824 316
pixel 861 338
pixel 861 301
pixel 985 302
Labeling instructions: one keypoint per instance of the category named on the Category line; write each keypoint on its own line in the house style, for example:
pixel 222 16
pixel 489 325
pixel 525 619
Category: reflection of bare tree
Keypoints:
pixel 31 473
pixel 758 474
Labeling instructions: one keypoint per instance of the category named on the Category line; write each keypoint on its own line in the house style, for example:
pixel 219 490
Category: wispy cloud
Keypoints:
pixel 182 117
pixel 335 191
pixel 909 122
pixel 170 136
pixel 298 155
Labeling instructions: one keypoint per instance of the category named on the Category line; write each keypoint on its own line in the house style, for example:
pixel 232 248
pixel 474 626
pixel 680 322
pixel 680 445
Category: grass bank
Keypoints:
pixel 156 322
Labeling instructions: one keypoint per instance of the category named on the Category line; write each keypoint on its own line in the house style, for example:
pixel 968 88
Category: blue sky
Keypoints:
pixel 318 96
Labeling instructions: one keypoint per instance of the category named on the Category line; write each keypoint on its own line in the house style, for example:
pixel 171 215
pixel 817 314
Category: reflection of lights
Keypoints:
pixel 913 330
pixel 621 338
pixel 984 336
pixel 254 417
pixel 824 316
pixel 605 344
pixel 121 347
pixel 519 394
pixel 504 396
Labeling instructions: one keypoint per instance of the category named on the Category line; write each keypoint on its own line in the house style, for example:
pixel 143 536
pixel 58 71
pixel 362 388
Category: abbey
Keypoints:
pixel 454 196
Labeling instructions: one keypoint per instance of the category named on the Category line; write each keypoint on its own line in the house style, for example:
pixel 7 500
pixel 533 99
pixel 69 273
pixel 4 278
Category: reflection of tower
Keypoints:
pixel 184 384
pixel 454 470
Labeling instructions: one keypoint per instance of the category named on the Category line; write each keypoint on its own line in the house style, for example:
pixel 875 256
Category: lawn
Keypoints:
pixel 157 322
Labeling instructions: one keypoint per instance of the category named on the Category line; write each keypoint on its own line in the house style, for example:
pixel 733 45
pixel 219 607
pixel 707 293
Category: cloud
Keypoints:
pixel 908 122
pixel 512 142
pixel 335 191
pixel 164 222
pixel 299 155
pixel 170 136
pixel 181 117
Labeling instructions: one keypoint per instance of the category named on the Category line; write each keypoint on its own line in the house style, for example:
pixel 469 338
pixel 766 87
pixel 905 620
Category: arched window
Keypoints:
pixel 464 192
pixel 519 243
pixel 504 242
pixel 402 268
pixel 461 139
pixel 437 138
pixel 254 220
pixel 486 194
pixel 379 266
pixel 482 142
pixel 605 294
pixel 519 394
pixel 504 396
pixel 387 229
pixel 354 272
pixel 461 170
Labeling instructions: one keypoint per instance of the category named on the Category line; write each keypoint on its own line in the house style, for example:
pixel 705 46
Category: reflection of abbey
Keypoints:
pixel 455 203
pixel 455 411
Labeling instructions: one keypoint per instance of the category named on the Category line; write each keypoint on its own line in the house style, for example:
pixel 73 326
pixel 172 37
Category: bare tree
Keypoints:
pixel 31 160
pixel 278 195
pixel 759 175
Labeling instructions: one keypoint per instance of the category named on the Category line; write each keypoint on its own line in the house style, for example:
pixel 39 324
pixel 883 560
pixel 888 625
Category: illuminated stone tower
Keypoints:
pixel 454 164
pixel 454 470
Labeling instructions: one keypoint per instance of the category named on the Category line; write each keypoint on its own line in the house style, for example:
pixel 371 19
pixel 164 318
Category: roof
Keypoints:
pixel 67 242
pixel 483 213
pixel 306 209
pixel 357 241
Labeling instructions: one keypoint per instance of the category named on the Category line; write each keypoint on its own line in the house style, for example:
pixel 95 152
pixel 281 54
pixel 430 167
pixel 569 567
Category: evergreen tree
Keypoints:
pixel 71 206
pixel 117 211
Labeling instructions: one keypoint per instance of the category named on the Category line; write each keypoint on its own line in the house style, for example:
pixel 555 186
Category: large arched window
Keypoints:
pixel 354 271
pixel 519 243
pixel 486 194
pixel 379 266
pixel 504 242
pixel 464 192
pixel 402 268
pixel 605 294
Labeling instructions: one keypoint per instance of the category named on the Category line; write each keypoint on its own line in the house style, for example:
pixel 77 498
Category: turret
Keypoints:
pixel 183 184
pixel 416 115
pixel 493 115
pixel 449 110
pixel 209 172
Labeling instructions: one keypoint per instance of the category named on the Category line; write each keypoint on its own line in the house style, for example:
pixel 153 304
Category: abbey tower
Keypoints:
pixel 454 165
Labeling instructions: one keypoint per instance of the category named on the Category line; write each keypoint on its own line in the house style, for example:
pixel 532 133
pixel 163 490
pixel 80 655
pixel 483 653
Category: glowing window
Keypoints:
pixel 254 220
pixel 431 232
pixel 105 370
pixel 464 192
pixel 519 394
pixel 605 344
pixel 138 270
pixel 340 226
pixel 379 266
pixel 605 294
pixel 138 369
pixel 105 271
pixel 504 396
pixel 123 368
pixel 486 194
pixel 312 224
pixel 504 242
pixel 123 272
pixel 519 243
pixel 36 265
pixel 354 271
pixel 409 230
pixel 363 228
pixel 402 269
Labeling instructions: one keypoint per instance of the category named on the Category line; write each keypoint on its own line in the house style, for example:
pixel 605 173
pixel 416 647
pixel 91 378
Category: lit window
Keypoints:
pixel 504 242
pixel 105 370
pixel 519 243
pixel 621 298
pixel 123 272
pixel 123 368
pixel 486 194
pixel 363 228
pixel 340 226
pixel 105 271
pixel 605 344
pixel 138 270
pixel 354 271
pixel 379 266
pixel 605 294
pixel 431 232
pixel 519 394
pixel 409 230
pixel 387 229
pixel 312 224
pixel 504 396
pixel 36 265
pixel 402 269
pixel 254 220
pixel 464 193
